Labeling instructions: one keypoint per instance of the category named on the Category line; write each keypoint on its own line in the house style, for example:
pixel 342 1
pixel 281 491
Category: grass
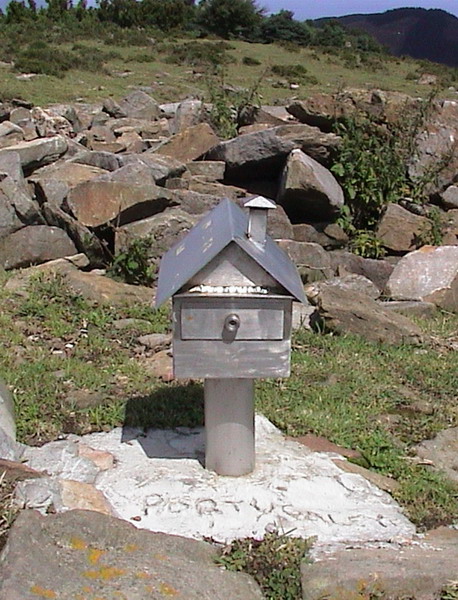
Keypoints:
pixel 378 399
pixel 127 67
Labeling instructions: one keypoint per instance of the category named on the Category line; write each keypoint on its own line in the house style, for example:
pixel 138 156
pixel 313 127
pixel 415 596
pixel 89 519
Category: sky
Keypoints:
pixel 314 9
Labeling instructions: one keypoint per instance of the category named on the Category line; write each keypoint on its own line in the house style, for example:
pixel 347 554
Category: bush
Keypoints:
pixel 294 73
pixel 250 61
pixel 200 54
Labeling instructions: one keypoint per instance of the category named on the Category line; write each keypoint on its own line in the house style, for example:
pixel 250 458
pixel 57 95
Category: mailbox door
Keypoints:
pixel 240 337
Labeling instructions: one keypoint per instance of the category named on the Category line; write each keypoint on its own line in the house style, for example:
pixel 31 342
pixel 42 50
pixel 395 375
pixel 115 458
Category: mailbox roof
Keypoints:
pixel 226 223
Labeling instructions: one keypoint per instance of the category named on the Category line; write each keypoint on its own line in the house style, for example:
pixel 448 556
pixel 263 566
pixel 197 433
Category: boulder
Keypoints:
pixel 411 308
pixel 139 105
pixel 344 311
pixel 436 147
pixel 10 134
pixel 10 164
pixel 308 191
pixel 210 170
pixel 162 167
pixel 48 124
pixel 53 182
pixel 37 153
pixel 111 107
pixel 196 184
pixel 350 283
pixel 164 230
pixel 132 142
pixel 147 130
pixel 188 114
pixel 400 230
pixel 449 197
pixel 312 261
pixel 429 274
pixel 20 116
pixel 102 160
pixel 253 155
pixel 84 239
pixel 328 235
pixel 111 558
pixel 74 114
pixel 33 245
pixel 420 570
pixel 190 143
pixel 16 207
pixel 95 203
pixel 378 271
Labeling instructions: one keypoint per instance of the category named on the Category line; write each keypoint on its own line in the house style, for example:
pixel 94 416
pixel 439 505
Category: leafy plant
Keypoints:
pixel 366 244
pixel 229 105
pixel 450 591
pixel 432 234
pixel 274 562
pixel 134 264
pixel 293 73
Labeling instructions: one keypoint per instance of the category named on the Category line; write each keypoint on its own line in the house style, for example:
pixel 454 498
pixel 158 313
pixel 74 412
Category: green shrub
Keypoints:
pixel 134 264
pixel 200 54
pixel 293 73
pixel 250 61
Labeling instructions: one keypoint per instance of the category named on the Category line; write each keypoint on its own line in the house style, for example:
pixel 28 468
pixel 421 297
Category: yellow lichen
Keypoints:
pixel 77 543
pixel 142 575
pixel 94 554
pixel 105 573
pixel 168 590
pixel 38 590
pixel 130 547
pixel 160 556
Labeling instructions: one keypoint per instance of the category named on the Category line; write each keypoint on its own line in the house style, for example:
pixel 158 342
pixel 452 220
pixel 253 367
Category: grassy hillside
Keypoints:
pixel 171 70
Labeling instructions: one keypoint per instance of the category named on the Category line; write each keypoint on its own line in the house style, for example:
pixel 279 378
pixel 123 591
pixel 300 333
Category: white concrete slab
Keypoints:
pixel 158 483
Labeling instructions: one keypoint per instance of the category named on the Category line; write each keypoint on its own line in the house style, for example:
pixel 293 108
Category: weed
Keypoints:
pixel 366 244
pixel 450 591
pixel 8 510
pixel 133 265
pixel 274 562
pixel 229 105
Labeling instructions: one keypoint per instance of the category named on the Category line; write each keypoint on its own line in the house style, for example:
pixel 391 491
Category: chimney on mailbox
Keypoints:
pixel 257 218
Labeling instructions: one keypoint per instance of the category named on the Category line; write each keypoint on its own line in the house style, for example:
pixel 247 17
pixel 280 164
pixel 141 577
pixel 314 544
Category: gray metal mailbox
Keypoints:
pixel 232 290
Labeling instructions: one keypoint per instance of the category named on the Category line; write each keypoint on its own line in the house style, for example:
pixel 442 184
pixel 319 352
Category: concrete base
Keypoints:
pixel 159 483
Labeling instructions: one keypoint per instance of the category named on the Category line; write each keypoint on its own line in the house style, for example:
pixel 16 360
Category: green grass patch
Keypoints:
pixel 378 399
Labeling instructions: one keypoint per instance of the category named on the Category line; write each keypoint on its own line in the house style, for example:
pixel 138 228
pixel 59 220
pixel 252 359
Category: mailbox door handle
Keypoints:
pixel 232 323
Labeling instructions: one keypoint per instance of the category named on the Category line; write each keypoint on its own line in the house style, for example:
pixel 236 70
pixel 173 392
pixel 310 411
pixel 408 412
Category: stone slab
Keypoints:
pixel 84 555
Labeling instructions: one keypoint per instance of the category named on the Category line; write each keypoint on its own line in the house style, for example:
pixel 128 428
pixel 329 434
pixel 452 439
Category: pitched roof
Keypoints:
pixel 226 223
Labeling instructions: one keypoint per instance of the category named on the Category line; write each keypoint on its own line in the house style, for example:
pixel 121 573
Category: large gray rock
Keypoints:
pixel 429 274
pixel 138 105
pixel 10 134
pixel 449 197
pixel 255 155
pixel 16 208
pixel 84 239
pixel 103 160
pixel 418 571
pixel 164 230
pixel 190 143
pixel 378 271
pixel 312 261
pixel 400 230
pixel 34 245
pixel 344 311
pixel 53 182
pixel 328 235
pixel 350 283
pixel 113 559
pixel 37 153
pixel 188 114
pixel 162 167
pixel 308 191
pixel 98 202
pixel 10 164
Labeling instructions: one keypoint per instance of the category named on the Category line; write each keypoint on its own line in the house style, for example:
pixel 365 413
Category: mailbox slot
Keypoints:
pixel 254 318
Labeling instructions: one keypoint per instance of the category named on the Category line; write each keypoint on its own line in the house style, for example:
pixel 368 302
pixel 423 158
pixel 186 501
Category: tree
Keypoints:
pixel 230 18
pixel 166 14
pixel 283 26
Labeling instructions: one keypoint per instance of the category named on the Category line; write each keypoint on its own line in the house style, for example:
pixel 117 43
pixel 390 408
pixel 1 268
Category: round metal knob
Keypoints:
pixel 232 322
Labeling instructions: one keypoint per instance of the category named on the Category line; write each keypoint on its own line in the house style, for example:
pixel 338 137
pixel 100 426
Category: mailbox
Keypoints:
pixel 232 289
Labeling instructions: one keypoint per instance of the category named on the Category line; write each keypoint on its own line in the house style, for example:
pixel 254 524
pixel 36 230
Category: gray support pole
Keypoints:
pixel 229 426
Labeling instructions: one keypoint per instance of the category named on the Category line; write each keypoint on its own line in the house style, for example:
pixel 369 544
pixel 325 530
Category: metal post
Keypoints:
pixel 229 426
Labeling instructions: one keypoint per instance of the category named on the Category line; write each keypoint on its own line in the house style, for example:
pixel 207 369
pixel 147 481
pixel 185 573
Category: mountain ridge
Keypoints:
pixel 421 33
